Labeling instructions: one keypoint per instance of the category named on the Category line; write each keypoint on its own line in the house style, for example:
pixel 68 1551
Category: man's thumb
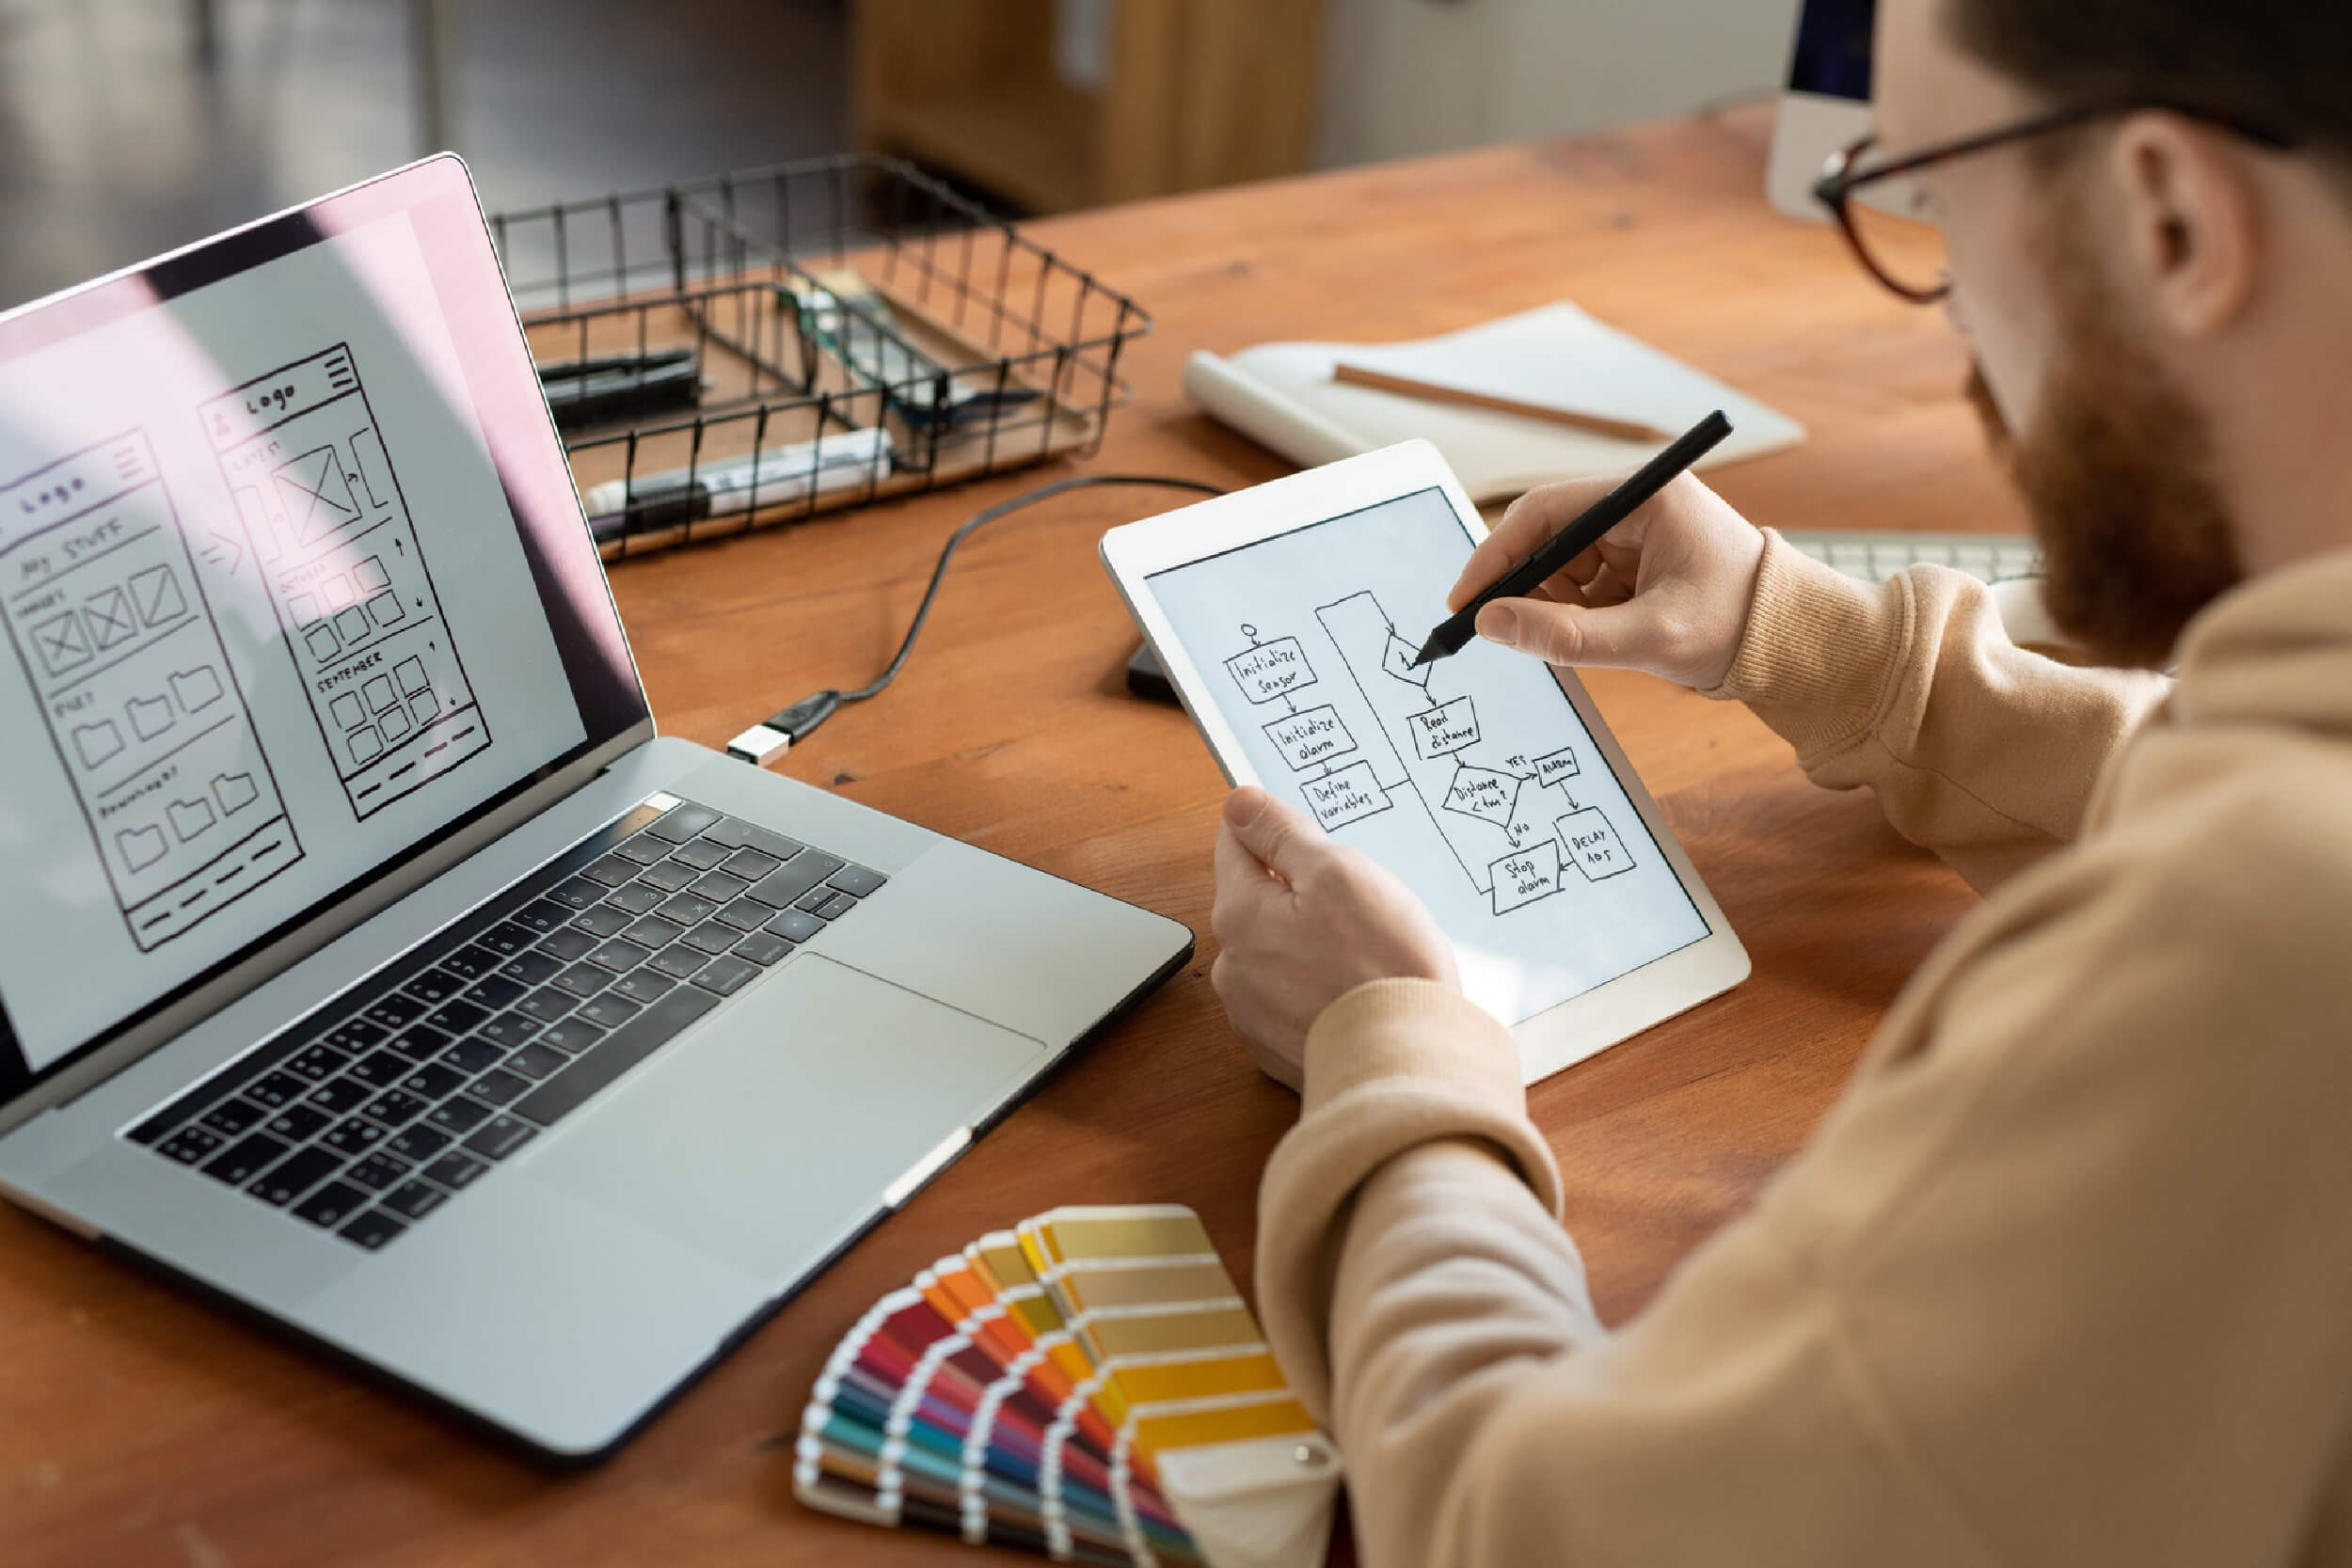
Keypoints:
pixel 1568 634
pixel 1280 835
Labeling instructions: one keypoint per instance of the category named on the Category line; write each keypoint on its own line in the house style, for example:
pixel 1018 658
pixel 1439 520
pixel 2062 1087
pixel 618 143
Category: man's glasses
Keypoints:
pixel 1892 235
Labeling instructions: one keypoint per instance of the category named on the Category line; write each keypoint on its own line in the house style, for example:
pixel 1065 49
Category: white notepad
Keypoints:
pixel 1282 395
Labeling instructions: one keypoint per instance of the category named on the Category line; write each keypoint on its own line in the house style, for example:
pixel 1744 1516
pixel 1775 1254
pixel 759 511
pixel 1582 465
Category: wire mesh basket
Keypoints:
pixel 761 346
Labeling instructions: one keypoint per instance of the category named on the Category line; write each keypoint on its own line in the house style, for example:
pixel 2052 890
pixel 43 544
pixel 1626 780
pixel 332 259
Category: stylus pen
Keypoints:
pixel 1578 536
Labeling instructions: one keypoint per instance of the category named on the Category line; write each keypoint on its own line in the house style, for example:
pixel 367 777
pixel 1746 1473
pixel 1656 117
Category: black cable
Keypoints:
pixel 771 737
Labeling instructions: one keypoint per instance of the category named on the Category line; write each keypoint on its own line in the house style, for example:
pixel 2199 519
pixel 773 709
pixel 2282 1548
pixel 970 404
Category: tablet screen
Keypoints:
pixel 1473 778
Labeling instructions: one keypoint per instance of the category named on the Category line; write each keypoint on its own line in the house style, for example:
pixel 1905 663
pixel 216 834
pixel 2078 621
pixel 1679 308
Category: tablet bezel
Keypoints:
pixel 1569 1031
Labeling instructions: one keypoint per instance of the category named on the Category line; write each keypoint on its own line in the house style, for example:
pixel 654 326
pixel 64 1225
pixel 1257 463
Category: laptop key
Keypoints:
pixel 794 877
pixel 701 855
pixel 421 1042
pixel 750 865
pixel 718 887
pixel 501 1136
pixel 714 937
pixel 584 979
pixel 580 893
pixel 245 1159
pixel 382 1069
pixel 762 948
pixel 678 961
pixel 653 931
pixel 744 914
pixel 396 1011
pixel 454 1170
pixel 374 1230
pixel 795 925
pixel 377 1171
pixel 634 899
pixel 815 898
pixel 317 1062
pixel 434 1081
pixel 620 956
pixel 645 850
pixel 686 909
pixel 397 1107
pixel 627 1045
pixel 532 969
pixel 602 921
pixel 295 1175
pixel 608 1011
pixel 509 1030
pixel 331 1205
pixel 857 880
pixel 496 993
pixel 460 1017
pixel 274 1090
pixel 573 1036
pixel 417 1144
pixel 612 871
pixel 571 943
pixel 340 1095
pixel 668 876
pixel 535 1061
pixel 542 915
pixel 435 987
pixel 682 822
pixel 299 1123
pixel 413 1201
pixel 775 846
pixel 726 975
pixel 471 1056
pixel 506 938
pixel 354 1034
pixel 189 1145
pixel 354 1136
pixel 232 1118
pixel 470 962
pixel 835 907
pixel 545 1005
pixel 460 1116
pixel 644 984
pixel 499 1085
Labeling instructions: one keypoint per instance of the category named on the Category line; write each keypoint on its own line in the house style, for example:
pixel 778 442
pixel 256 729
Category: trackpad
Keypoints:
pixel 773 1128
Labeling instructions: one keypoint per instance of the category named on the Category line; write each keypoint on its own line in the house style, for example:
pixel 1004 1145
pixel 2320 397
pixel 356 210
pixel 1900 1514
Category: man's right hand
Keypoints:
pixel 1666 591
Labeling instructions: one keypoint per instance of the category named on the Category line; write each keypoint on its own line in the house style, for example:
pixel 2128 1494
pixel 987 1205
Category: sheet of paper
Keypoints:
pixel 1284 394
pixel 1473 779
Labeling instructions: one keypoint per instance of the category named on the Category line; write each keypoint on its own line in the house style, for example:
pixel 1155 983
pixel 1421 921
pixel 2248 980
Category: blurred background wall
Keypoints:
pixel 130 126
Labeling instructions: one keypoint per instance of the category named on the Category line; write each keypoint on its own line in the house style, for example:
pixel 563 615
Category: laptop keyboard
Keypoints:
pixel 368 1115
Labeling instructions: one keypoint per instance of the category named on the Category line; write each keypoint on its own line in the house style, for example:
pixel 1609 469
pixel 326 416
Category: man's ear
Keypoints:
pixel 2192 220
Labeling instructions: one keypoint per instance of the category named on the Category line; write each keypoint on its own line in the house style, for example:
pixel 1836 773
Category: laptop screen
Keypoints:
pixel 294 584
pixel 1831 58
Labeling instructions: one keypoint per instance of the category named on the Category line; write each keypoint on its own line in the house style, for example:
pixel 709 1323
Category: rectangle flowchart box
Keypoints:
pixel 1594 845
pixel 1345 795
pixel 1443 730
pixel 1271 669
pixel 1312 737
pixel 1526 875
pixel 1552 768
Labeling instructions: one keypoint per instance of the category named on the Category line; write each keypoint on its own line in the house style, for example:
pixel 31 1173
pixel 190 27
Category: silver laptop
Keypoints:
pixel 365 958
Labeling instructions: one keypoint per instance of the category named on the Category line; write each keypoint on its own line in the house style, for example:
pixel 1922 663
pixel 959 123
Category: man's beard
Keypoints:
pixel 2115 471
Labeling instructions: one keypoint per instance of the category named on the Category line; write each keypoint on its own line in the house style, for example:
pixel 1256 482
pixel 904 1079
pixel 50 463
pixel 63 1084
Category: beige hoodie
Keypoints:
pixel 2066 1276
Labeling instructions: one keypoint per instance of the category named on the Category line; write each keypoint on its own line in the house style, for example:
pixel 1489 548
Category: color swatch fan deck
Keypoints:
pixel 1089 1386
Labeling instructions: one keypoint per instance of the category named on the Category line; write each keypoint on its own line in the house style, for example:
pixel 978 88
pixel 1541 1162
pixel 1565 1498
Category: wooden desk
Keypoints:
pixel 139 1427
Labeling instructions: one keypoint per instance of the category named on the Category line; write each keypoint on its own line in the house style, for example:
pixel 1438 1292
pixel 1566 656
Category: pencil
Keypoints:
pixel 1597 424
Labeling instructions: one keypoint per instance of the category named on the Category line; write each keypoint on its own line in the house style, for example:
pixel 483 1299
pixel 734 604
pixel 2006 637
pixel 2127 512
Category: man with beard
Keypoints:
pixel 2064 1276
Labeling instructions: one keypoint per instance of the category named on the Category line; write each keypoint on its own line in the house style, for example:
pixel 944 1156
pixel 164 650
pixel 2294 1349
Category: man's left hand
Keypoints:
pixel 1302 921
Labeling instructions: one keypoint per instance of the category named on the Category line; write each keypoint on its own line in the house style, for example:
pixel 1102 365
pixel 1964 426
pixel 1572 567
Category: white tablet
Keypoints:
pixel 1288 615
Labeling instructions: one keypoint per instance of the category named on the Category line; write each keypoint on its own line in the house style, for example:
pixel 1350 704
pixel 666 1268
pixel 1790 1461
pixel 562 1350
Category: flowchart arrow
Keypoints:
pixel 224 552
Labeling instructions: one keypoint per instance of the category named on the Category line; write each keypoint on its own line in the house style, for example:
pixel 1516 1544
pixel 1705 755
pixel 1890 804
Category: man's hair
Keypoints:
pixel 2284 65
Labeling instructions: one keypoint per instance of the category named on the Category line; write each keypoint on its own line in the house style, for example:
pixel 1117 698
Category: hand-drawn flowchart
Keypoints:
pixel 1505 809
pixel 117 642
pixel 330 533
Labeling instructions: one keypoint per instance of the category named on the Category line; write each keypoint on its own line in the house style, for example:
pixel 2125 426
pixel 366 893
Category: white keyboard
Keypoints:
pixel 1876 557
